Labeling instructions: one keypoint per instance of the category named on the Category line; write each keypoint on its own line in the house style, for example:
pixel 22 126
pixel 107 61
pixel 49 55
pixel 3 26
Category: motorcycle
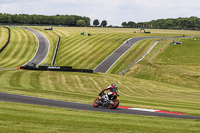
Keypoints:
pixel 107 100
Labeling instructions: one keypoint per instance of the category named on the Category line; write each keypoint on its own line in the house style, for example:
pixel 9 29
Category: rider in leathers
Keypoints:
pixel 112 93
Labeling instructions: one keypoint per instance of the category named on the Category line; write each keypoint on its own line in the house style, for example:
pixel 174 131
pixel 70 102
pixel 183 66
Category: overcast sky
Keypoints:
pixel 114 11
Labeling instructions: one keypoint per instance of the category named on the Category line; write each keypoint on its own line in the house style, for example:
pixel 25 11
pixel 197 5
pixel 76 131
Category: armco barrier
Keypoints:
pixel 7 41
pixel 56 68
pixel 56 52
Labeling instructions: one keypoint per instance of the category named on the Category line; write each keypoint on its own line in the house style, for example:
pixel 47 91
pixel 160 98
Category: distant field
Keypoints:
pixel 21 49
pixel 175 64
pixel 84 88
pixel 3 36
pixel 41 119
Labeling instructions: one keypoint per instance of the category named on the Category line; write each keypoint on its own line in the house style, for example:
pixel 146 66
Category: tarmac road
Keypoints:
pixel 63 104
pixel 104 66
pixel 43 48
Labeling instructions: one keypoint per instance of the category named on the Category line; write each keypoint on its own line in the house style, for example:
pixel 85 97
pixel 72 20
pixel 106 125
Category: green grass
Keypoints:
pixel 164 80
pixel 20 50
pixel 38 119
pixel 3 36
pixel 175 64
pixel 88 51
pixel 132 55
pixel 84 88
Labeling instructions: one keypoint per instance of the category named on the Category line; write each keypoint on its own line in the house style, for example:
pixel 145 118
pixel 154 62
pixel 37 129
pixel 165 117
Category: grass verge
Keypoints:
pixel 38 119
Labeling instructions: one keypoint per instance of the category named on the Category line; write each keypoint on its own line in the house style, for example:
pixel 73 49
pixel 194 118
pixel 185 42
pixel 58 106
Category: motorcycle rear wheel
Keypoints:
pixel 115 105
pixel 96 103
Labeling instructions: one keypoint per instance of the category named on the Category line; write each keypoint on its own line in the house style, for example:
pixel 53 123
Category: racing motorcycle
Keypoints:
pixel 107 100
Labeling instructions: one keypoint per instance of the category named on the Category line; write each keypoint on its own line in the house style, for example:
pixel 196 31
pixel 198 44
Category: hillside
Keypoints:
pixel 83 88
pixel 88 51
pixel 3 36
pixel 166 80
pixel 20 50
pixel 176 64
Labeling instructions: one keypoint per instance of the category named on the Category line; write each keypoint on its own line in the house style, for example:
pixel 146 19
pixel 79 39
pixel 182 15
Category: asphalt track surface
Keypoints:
pixel 105 65
pixel 63 104
pixel 43 48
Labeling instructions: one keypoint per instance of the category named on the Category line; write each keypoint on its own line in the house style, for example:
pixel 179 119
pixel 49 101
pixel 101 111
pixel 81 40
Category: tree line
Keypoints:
pixel 68 20
pixel 192 23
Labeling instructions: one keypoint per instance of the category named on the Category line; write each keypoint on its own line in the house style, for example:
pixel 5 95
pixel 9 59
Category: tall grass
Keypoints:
pixel 21 49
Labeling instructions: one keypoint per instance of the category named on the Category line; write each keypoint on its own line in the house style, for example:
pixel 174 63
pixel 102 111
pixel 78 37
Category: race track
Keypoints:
pixel 43 47
pixel 104 66
pixel 63 104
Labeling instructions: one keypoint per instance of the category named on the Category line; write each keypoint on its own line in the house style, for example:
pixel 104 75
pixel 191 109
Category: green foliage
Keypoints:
pixel 96 22
pixel 124 24
pixel 69 20
pixel 104 23
pixel 179 23
pixel 81 23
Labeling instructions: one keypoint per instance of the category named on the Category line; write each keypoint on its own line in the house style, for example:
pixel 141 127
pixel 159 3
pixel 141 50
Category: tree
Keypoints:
pixel 104 23
pixel 81 23
pixel 131 24
pixel 124 24
pixel 96 22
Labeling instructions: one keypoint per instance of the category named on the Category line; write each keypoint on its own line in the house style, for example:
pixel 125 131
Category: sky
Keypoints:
pixel 114 11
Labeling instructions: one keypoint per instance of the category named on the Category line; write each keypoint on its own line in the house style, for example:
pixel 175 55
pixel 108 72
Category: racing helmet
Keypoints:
pixel 113 84
pixel 114 89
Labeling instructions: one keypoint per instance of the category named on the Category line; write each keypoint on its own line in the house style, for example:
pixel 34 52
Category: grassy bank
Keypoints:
pixel 38 119
pixel 177 64
pixel 20 50
pixel 132 55
pixel 3 36
pixel 88 51
pixel 84 88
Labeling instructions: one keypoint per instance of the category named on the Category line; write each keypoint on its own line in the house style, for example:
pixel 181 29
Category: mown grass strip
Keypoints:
pixel 132 55
pixel 3 36
pixel 172 64
pixel 22 48
pixel 32 118
pixel 84 88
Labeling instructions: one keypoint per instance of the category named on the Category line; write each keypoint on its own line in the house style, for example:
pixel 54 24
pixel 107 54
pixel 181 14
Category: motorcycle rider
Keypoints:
pixel 113 92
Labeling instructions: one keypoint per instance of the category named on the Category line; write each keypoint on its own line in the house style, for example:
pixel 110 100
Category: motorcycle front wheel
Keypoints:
pixel 115 105
pixel 96 103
